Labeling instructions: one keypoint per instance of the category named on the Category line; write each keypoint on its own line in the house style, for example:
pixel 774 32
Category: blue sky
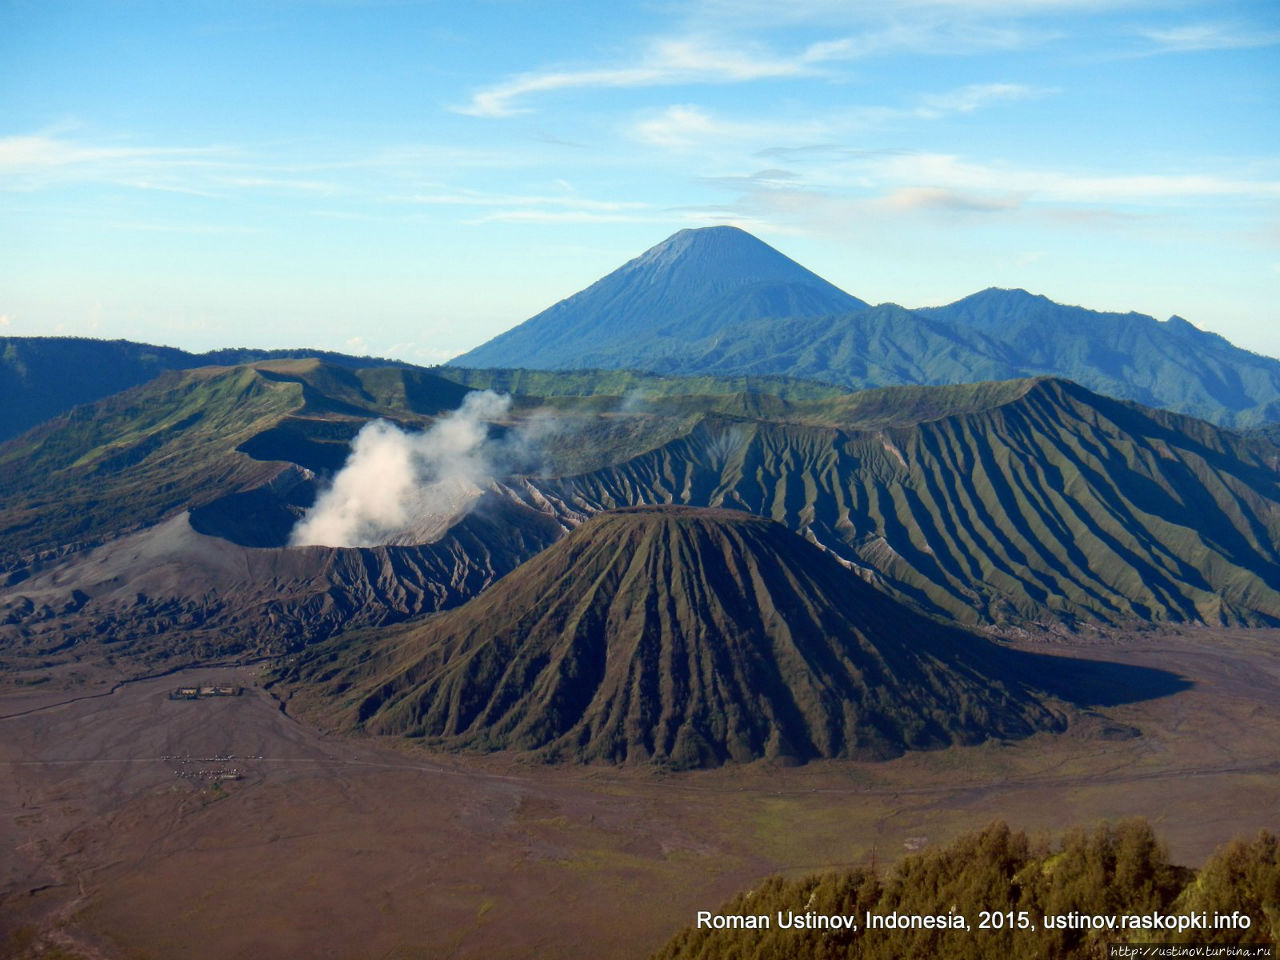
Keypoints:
pixel 411 178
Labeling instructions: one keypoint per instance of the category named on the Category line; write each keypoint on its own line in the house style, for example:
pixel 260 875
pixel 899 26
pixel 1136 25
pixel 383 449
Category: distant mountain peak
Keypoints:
pixel 1008 294
pixel 724 240
pixel 695 235
pixel 698 282
pixel 718 301
pixel 720 255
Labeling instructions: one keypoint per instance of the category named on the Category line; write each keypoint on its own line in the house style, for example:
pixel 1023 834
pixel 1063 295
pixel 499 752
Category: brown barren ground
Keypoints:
pixel 331 848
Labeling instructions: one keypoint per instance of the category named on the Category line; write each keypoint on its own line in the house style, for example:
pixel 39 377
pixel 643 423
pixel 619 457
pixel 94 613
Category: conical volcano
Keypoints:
pixel 688 637
pixel 695 284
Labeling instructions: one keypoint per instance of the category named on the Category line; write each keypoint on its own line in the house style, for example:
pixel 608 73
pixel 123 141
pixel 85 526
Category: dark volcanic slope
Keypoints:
pixel 1032 500
pixel 682 636
pixel 171 592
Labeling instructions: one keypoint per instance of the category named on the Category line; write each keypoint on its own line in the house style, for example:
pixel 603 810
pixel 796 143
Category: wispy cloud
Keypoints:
pixel 684 125
pixel 31 161
pixel 280 183
pixel 565 216
pixel 949 201
pixel 822 152
pixel 567 206
pixel 44 160
pixel 183 228
pixel 949 172
pixel 975 97
pixel 829 187
pixel 37 152
pixel 35 161
pixel 665 62
pixel 415 352
pixel 712 43
pixel 711 59
pixel 772 177
pixel 827 11
pixel 1195 37
pixel 478 198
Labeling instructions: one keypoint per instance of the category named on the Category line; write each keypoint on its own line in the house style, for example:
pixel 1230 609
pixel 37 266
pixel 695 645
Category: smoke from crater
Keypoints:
pixel 399 487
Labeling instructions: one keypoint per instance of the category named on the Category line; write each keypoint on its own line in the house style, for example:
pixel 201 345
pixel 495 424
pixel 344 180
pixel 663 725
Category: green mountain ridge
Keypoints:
pixel 617 323
pixel 178 442
pixel 43 377
pixel 164 511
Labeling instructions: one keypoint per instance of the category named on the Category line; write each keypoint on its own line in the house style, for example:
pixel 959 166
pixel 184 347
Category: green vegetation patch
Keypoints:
pixel 1018 897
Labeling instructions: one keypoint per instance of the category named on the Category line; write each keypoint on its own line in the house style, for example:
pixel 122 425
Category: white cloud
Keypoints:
pixel 1208 36
pixel 711 62
pixel 412 159
pixel 951 201
pixel 667 61
pixel 479 198
pixel 37 152
pixel 44 160
pixel 839 188
pixel 942 171
pixel 497 100
pixel 564 216
pixel 279 183
pixel 565 207
pixel 420 354
pixel 680 60
pixel 825 11
pixel 974 97
pixel 32 161
pixel 684 125
pixel 708 45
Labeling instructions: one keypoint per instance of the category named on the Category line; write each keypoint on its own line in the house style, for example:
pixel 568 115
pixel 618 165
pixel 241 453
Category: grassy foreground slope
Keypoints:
pixel 1109 871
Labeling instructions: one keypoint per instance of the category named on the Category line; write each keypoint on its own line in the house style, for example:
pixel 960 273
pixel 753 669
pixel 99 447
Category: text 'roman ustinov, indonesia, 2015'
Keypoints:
pixel 986 920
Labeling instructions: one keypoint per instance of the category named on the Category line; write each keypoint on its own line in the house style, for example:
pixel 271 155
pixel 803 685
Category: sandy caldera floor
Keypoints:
pixel 127 844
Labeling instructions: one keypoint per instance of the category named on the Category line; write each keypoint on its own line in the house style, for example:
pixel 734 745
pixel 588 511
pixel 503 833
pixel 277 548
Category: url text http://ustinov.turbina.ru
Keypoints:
pixel 1190 951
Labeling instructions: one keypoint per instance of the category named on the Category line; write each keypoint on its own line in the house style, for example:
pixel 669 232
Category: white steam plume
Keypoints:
pixel 399 487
